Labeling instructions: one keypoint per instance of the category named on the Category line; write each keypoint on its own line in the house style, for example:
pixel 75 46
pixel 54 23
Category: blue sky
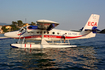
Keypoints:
pixel 71 14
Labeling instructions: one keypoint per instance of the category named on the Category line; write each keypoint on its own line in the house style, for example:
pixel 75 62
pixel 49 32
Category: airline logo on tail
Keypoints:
pixel 92 23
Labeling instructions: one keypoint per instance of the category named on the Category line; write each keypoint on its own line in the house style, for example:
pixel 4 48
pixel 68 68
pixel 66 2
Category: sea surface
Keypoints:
pixel 89 55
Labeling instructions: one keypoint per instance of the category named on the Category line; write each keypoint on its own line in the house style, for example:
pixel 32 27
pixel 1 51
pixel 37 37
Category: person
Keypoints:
pixel 64 36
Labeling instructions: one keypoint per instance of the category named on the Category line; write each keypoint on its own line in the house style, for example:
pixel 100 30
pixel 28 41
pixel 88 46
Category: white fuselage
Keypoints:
pixel 44 29
pixel 53 34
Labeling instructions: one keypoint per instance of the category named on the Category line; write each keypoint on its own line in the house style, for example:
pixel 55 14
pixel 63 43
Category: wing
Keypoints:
pixel 46 24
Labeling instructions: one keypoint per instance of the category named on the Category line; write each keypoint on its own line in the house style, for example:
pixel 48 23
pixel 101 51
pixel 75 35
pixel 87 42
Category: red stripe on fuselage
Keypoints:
pixel 27 37
pixel 30 45
pixel 67 37
pixel 25 45
pixel 51 36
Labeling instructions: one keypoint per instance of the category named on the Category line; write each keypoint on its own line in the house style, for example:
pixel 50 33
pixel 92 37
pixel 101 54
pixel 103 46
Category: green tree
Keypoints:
pixel 103 31
pixel 20 23
pixel 14 28
pixel 4 29
pixel 14 23
pixel 32 23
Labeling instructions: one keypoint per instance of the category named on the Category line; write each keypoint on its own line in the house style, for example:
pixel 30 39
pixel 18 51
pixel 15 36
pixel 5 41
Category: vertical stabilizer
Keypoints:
pixel 91 25
pixel 92 22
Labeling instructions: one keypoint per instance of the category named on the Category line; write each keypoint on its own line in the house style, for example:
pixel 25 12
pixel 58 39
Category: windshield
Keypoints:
pixel 22 29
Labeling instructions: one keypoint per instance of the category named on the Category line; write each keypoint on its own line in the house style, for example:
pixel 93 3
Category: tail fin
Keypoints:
pixel 91 25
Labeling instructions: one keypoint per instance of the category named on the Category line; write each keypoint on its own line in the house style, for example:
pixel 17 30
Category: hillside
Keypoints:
pixel 4 23
pixel 102 31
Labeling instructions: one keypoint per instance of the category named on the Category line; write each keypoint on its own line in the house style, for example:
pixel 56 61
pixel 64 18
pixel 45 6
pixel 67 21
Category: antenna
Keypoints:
pixel 25 20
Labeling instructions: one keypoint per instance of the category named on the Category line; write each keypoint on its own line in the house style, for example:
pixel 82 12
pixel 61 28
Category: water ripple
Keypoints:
pixel 89 55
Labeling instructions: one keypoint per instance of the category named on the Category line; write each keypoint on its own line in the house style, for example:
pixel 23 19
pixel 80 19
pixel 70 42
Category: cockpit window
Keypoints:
pixel 22 29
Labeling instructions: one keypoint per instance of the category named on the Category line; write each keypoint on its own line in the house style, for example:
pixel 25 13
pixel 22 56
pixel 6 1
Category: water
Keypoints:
pixel 89 55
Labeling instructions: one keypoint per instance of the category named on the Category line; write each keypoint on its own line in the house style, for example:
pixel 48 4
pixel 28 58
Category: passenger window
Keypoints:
pixel 58 33
pixel 53 32
pixel 44 32
pixel 47 32
pixel 37 32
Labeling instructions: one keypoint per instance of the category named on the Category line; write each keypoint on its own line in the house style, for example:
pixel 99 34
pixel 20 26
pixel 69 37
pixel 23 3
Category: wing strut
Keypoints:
pixel 43 41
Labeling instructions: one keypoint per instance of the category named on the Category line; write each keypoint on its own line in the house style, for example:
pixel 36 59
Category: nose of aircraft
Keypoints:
pixel 8 34
pixel 11 34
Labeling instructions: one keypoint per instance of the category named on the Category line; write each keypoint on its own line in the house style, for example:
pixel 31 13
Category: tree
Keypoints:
pixel 20 23
pixel 4 29
pixel 32 23
pixel 103 31
pixel 14 28
pixel 14 23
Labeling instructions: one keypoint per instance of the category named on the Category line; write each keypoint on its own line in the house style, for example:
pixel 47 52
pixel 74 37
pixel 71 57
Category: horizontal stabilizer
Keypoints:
pixel 94 29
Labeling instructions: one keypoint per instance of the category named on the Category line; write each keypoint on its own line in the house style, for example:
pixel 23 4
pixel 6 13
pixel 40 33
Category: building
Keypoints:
pixel 1 31
pixel 25 24
pixel 1 27
pixel 8 28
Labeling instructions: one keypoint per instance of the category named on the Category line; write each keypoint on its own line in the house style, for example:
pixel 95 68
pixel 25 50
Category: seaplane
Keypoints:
pixel 44 36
